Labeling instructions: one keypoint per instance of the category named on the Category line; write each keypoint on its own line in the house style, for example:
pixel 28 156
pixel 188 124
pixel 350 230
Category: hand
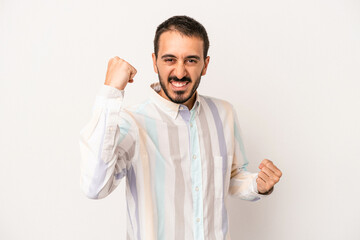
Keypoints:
pixel 119 73
pixel 268 176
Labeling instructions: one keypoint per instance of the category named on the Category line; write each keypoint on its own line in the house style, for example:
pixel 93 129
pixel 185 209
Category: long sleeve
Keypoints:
pixel 106 145
pixel 242 183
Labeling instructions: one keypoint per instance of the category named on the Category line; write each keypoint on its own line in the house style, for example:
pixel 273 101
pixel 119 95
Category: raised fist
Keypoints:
pixel 119 73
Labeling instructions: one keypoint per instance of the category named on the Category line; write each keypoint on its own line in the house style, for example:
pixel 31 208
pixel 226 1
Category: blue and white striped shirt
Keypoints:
pixel 180 165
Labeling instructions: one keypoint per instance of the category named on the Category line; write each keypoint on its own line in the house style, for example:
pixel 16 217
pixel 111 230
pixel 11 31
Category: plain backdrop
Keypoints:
pixel 290 68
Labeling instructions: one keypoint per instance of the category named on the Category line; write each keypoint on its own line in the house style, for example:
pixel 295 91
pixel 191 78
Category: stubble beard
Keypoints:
pixel 180 98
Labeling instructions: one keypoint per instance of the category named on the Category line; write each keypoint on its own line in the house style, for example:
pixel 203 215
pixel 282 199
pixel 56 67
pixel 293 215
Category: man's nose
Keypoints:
pixel 180 70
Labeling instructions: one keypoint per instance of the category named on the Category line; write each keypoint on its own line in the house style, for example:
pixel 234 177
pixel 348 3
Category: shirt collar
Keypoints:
pixel 167 106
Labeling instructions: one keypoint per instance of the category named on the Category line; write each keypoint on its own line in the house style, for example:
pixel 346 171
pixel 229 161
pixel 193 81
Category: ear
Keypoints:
pixel 154 63
pixel 207 59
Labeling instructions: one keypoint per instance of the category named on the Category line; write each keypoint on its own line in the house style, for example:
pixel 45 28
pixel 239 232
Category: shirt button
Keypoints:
pixel 194 156
pixel 198 219
pixel 197 189
pixel 110 128
pixel 181 108
pixel 191 124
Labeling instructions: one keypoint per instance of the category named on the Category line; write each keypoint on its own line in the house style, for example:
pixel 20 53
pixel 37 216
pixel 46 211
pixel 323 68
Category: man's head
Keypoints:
pixel 180 58
pixel 184 25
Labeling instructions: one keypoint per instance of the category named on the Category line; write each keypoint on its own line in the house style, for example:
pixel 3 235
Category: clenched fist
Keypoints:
pixel 268 176
pixel 119 73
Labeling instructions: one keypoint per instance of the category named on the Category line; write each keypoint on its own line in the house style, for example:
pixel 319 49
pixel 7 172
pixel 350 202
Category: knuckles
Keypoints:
pixel 269 163
pixel 121 63
pixel 276 179
pixel 116 60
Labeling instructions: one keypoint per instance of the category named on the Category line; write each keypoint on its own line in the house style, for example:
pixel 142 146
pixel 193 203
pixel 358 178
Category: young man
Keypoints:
pixel 181 152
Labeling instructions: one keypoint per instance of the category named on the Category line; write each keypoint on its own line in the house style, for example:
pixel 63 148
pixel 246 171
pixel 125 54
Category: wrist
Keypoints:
pixel 108 91
pixel 268 192
pixel 117 87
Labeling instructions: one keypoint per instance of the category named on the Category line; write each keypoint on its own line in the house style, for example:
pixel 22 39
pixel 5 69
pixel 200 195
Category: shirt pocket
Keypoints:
pixel 221 168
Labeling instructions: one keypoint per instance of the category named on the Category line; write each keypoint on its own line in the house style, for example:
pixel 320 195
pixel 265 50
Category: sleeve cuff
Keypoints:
pixel 110 98
pixel 110 92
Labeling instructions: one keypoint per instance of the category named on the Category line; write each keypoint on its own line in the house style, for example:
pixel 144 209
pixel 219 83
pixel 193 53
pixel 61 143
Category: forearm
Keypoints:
pixel 98 144
pixel 243 185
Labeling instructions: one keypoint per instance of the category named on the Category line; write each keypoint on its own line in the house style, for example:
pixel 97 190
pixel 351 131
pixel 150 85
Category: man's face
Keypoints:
pixel 180 65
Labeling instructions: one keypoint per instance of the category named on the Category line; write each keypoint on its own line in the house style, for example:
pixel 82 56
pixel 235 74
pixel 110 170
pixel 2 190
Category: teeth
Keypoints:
pixel 178 84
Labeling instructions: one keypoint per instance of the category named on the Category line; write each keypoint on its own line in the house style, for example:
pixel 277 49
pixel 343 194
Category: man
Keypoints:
pixel 181 152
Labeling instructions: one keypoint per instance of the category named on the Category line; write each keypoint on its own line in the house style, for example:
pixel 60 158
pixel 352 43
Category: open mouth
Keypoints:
pixel 179 85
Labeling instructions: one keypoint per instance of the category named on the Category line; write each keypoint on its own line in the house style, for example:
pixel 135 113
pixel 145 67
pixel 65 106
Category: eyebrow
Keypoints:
pixel 190 56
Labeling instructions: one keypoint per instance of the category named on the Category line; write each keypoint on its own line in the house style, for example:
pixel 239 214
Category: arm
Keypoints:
pixel 246 185
pixel 108 141
pixel 242 183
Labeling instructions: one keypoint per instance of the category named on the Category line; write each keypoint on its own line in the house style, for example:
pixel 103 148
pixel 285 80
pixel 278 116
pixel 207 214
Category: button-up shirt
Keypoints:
pixel 179 164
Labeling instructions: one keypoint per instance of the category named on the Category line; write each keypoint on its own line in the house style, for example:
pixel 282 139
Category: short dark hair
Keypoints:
pixel 186 26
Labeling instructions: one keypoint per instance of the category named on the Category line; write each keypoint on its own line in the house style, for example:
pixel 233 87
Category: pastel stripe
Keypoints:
pixel 159 178
pixel 223 152
pixel 197 183
pixel 133 189
pixel 196 171
pixel 124 130
pixel 209 194
pixel 148 212
pixel 179 183
pixel 179 197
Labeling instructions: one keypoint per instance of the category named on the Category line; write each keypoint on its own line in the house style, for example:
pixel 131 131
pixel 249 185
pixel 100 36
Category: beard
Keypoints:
pixel 180 96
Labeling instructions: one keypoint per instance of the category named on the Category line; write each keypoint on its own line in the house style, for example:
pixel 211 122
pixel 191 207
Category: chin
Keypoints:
pixel 180 99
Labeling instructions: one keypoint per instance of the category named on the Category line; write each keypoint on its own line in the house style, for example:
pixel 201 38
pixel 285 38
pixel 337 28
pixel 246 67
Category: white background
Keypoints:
pixel 291 69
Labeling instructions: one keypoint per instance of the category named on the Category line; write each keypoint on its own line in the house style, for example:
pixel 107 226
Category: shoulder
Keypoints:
pixel 216 104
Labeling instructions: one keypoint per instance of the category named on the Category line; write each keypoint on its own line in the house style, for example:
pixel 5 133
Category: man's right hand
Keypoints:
pixel 119 73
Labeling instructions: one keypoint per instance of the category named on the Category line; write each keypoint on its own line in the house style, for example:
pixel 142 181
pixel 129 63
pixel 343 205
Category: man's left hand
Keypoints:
pixel 268 176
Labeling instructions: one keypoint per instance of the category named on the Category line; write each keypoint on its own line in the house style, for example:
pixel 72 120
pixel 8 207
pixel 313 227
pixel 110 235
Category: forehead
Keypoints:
pixel 173 42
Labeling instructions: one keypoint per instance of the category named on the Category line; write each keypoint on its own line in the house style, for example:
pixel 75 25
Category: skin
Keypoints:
pixel 119 73
pixel 180 57
pixel 180 60
pixel 268 176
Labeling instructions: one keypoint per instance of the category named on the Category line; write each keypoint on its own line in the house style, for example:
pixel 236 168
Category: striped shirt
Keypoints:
pixel 180 165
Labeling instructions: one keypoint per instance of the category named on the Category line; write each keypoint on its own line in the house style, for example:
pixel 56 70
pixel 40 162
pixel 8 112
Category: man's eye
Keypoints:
pixel 168 60
pixel 192 61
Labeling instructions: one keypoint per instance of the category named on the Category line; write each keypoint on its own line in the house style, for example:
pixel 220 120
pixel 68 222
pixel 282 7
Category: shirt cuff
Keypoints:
pixel 110 98
pixel 110 92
